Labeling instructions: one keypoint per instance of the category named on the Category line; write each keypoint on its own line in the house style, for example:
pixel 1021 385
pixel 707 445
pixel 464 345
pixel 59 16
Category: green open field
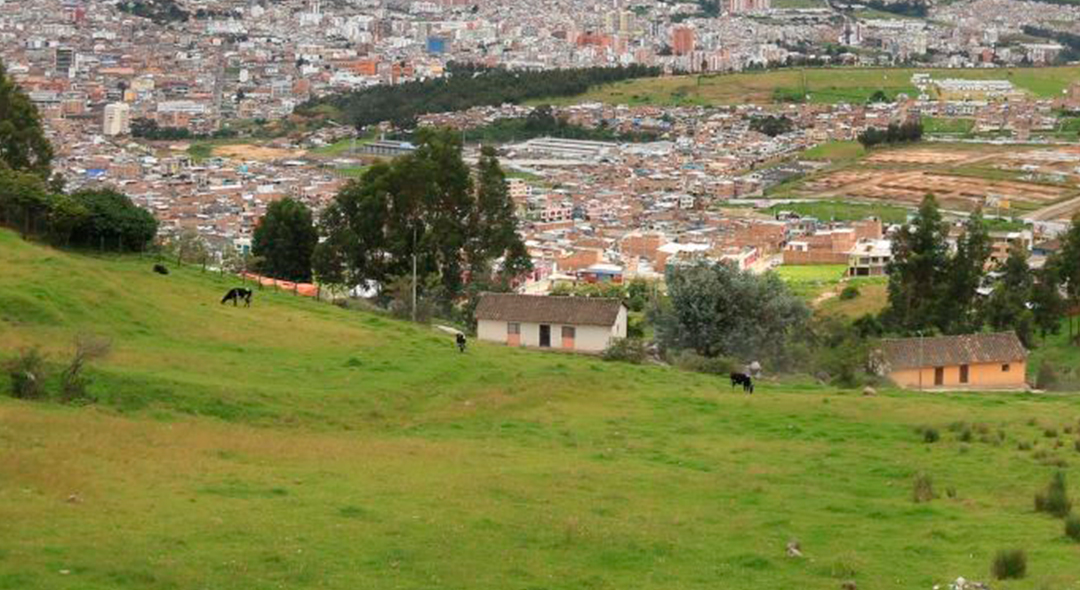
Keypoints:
pixel 953 126
pixel 809 281
pixel 835 151
pixel 826 85
pixel 300 445
pixel 845 211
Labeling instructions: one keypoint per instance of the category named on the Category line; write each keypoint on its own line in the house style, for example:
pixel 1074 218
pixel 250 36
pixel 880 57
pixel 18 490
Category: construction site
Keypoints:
pixel 1034 182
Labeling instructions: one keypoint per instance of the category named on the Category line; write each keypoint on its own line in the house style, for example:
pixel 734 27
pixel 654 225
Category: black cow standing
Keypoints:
pixel 460 339
pixel 236 294
pixel 744 380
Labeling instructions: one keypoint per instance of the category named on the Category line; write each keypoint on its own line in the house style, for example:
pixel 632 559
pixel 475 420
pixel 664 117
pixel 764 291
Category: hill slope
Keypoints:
pixel 299 445
pixel 822 85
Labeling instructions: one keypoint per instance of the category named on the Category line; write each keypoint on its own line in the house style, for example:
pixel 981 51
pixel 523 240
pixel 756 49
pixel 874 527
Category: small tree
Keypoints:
pixel 286 238
pixel 73 382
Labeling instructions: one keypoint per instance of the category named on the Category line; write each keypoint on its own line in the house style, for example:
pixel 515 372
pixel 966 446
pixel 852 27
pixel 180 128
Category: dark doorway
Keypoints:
pixel 963 373
pixel 939 375
pixel 545 336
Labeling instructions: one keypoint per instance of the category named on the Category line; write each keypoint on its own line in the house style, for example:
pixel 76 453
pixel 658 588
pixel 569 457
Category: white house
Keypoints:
pixel 565 323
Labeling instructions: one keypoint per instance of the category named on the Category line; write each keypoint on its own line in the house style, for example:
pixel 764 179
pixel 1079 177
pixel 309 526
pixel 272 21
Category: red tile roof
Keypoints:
pixel 539 309
pixel 945 351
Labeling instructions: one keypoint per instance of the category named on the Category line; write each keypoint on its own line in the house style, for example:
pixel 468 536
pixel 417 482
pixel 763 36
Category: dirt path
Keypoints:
pixel 1061 210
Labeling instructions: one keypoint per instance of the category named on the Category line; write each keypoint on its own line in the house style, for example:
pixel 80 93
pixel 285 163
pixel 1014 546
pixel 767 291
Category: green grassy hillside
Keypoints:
pixel 299 445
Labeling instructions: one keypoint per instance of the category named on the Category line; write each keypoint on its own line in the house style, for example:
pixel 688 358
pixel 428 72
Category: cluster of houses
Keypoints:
pixel 590 325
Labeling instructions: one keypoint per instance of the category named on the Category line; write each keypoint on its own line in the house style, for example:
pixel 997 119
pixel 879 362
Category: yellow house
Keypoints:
pixel 972 361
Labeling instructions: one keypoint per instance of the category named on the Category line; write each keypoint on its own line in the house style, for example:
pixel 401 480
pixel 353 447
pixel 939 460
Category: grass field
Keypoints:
pixel 825 85
pixel 873 297
pixel 845 211
pixel 952 126
pixel 809 281
pixel 299 445
pixel 835 151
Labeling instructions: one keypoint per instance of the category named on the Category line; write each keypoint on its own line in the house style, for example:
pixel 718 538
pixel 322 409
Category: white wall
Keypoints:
pixel 586 338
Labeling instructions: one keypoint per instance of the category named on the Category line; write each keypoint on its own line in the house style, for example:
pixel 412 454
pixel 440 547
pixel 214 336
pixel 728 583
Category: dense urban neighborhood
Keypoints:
pixel 539 294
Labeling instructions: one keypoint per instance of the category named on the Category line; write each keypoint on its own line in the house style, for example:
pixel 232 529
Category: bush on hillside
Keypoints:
pixel 1009 564
pixel 27 374
pixel 1055 499
pixel 627 350
pixel 1072 527
pixel 923 489
pixel 73 382
pixel 849 292
pixel 929 434
pixel 689 360
pixel 1047 378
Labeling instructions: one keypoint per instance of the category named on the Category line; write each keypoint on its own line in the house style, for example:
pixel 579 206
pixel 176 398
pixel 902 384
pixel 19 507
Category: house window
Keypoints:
pixel 569 332
pixel 513 328
pixel 1005 368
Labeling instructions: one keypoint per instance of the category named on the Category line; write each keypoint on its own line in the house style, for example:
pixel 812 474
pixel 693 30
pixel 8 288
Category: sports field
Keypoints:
pixel 299 445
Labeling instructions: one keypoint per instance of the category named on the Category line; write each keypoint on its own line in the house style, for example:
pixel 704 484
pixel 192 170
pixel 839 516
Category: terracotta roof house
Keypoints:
pixel 565 323
pixel 973 361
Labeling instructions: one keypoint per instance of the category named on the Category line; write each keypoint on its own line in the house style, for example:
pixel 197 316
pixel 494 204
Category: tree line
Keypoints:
pixel 934 288
pixel 426 211
pixel 772 125
pixel 33 201
pixel 543 122
pixel 1071 41
pixel 463 87
pixel 911 131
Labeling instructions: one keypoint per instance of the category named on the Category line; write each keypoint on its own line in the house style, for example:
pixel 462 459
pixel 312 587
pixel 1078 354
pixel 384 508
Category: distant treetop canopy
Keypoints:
pixel 466 86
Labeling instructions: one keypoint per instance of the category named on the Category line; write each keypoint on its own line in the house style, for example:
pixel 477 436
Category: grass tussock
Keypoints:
pixel 1009 564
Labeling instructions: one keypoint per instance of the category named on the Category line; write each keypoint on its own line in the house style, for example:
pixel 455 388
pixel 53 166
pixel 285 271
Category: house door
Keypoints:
pixel 963 373
pixel 568 335
pixel 939 375
pixel 513 334
pixel 545 336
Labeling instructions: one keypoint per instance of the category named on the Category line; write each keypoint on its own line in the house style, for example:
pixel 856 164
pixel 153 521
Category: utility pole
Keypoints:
pixel 920 333
pixel 414 273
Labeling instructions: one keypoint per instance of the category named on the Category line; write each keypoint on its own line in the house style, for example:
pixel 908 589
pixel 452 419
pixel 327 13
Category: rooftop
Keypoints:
pixel 942 351
pixel 538 309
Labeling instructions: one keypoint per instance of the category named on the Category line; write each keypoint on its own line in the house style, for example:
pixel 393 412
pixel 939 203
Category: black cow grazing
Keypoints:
pixel 235 295
pixel 744 380
pixel 160 269
pixel 460 341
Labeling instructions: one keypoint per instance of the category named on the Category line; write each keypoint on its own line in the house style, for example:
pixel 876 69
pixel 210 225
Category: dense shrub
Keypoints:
pixel 689 360
pixel 1009 564
pixel 849 292
pixel 929 434
pixel 923 489
pixel 27 374
pixel 1055 499
pixel 1072 527
pixel 1047 378
pixel 626 350
pixel 1050 433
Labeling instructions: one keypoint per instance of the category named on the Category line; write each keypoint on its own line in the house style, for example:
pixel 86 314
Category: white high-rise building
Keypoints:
pixel 117 119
